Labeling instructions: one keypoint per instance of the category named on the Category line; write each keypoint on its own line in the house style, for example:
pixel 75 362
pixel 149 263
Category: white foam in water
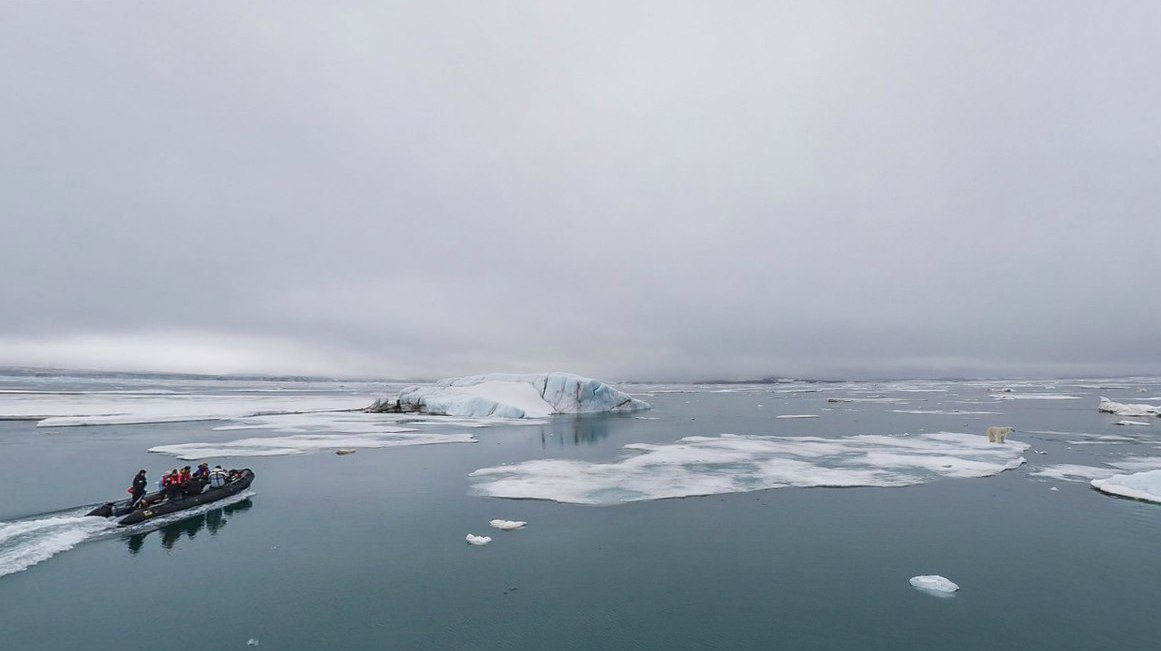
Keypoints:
pixel 507 525
pixel 1139 486
pixel 934 583
pixel 24 543
pixel 707 465
pixel 304 443
pixel 478 540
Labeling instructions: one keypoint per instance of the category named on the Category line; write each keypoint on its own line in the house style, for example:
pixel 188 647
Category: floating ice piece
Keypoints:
pixel 507 525
pixel 1139 486
pixel 1109 407
pixel 513 396
pixel 708 465
pixel 1035 396
pixel 87 409
pixel 934 583
pixel 478 540
pixel 343 451
pixel 1072 472
pixel 1138 423
pixel 796 415
pixel 942 412
pixel 252 642
pixel 1054 489
pixel 303 443
pixel 882 400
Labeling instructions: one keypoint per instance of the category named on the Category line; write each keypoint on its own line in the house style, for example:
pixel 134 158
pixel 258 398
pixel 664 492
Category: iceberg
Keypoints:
pixel 934 583
pixel 507 395
pixel 1139 486
pixel 1109 407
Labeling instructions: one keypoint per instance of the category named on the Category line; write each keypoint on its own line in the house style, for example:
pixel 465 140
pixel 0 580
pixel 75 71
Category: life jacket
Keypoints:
pixel 167 481
pixel 184 477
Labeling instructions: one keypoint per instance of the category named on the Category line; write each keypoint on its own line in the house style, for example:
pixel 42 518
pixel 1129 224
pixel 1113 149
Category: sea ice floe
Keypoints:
pixel 1138 423
pixel 507 525
pixel 796 415
pixel 1034 396
pixel 304 443
pixel 1139 486
pixel 121 410
pixel 1072 472
pixel 1109 407
pixel 513 396
pixel 934 583
pixel 942 412
pixel 706 465
pixel 478 540
pixel 882 400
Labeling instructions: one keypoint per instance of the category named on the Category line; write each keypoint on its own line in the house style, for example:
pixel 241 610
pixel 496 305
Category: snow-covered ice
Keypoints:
pixel 1139 486
pixel 1034 396
pixel 507 525
pixel 934 583
pixel 514 396
pixel 478 540
pixel 1109 407
pixel 706 465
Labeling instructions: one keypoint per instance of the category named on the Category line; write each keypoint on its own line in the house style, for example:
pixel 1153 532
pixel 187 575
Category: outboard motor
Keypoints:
pixel 103 511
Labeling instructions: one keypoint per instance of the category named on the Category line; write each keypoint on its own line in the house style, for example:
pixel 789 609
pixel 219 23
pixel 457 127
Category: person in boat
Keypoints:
pixel 173 485
pixel 202 473
pixel 184 480
pixel 137 490
pixel 218 477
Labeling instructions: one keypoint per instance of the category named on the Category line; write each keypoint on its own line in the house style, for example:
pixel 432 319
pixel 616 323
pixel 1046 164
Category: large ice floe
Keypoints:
pixel 729 463
pixel 1109 407
pixel 512 396
pixel 1139 486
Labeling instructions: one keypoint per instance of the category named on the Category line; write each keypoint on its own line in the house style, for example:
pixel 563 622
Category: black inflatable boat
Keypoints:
pixel 239 481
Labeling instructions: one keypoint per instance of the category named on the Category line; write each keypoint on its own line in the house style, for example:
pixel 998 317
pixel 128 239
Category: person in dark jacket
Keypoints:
pixel 138 489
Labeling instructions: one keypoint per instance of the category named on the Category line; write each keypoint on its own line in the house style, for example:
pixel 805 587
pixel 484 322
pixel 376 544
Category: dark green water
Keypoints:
pixel 367 551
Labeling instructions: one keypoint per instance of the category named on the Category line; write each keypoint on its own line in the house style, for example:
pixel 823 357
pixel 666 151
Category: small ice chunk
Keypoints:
pixel 1054 489
pixel 934 583
pixel 252 642
pixel 478 540
pixel 342 451
pixel 1139 423
pixel 507 525
pixel 797 415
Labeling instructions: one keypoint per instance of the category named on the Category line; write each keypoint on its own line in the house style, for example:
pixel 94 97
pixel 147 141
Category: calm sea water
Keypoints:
pixel 367 551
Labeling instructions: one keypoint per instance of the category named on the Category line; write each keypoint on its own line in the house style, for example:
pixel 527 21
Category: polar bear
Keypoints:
pixel 998 434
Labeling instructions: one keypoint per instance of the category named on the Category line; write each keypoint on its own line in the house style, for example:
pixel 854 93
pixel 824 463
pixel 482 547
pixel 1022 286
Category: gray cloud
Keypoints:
pixel 654 190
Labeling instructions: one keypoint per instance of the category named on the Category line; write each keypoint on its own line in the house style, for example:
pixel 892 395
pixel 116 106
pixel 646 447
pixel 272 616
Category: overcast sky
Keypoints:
pixel 627 190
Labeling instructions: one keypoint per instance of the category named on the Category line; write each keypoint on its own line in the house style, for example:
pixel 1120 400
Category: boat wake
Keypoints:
pixel 28 541
pixel 24 543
